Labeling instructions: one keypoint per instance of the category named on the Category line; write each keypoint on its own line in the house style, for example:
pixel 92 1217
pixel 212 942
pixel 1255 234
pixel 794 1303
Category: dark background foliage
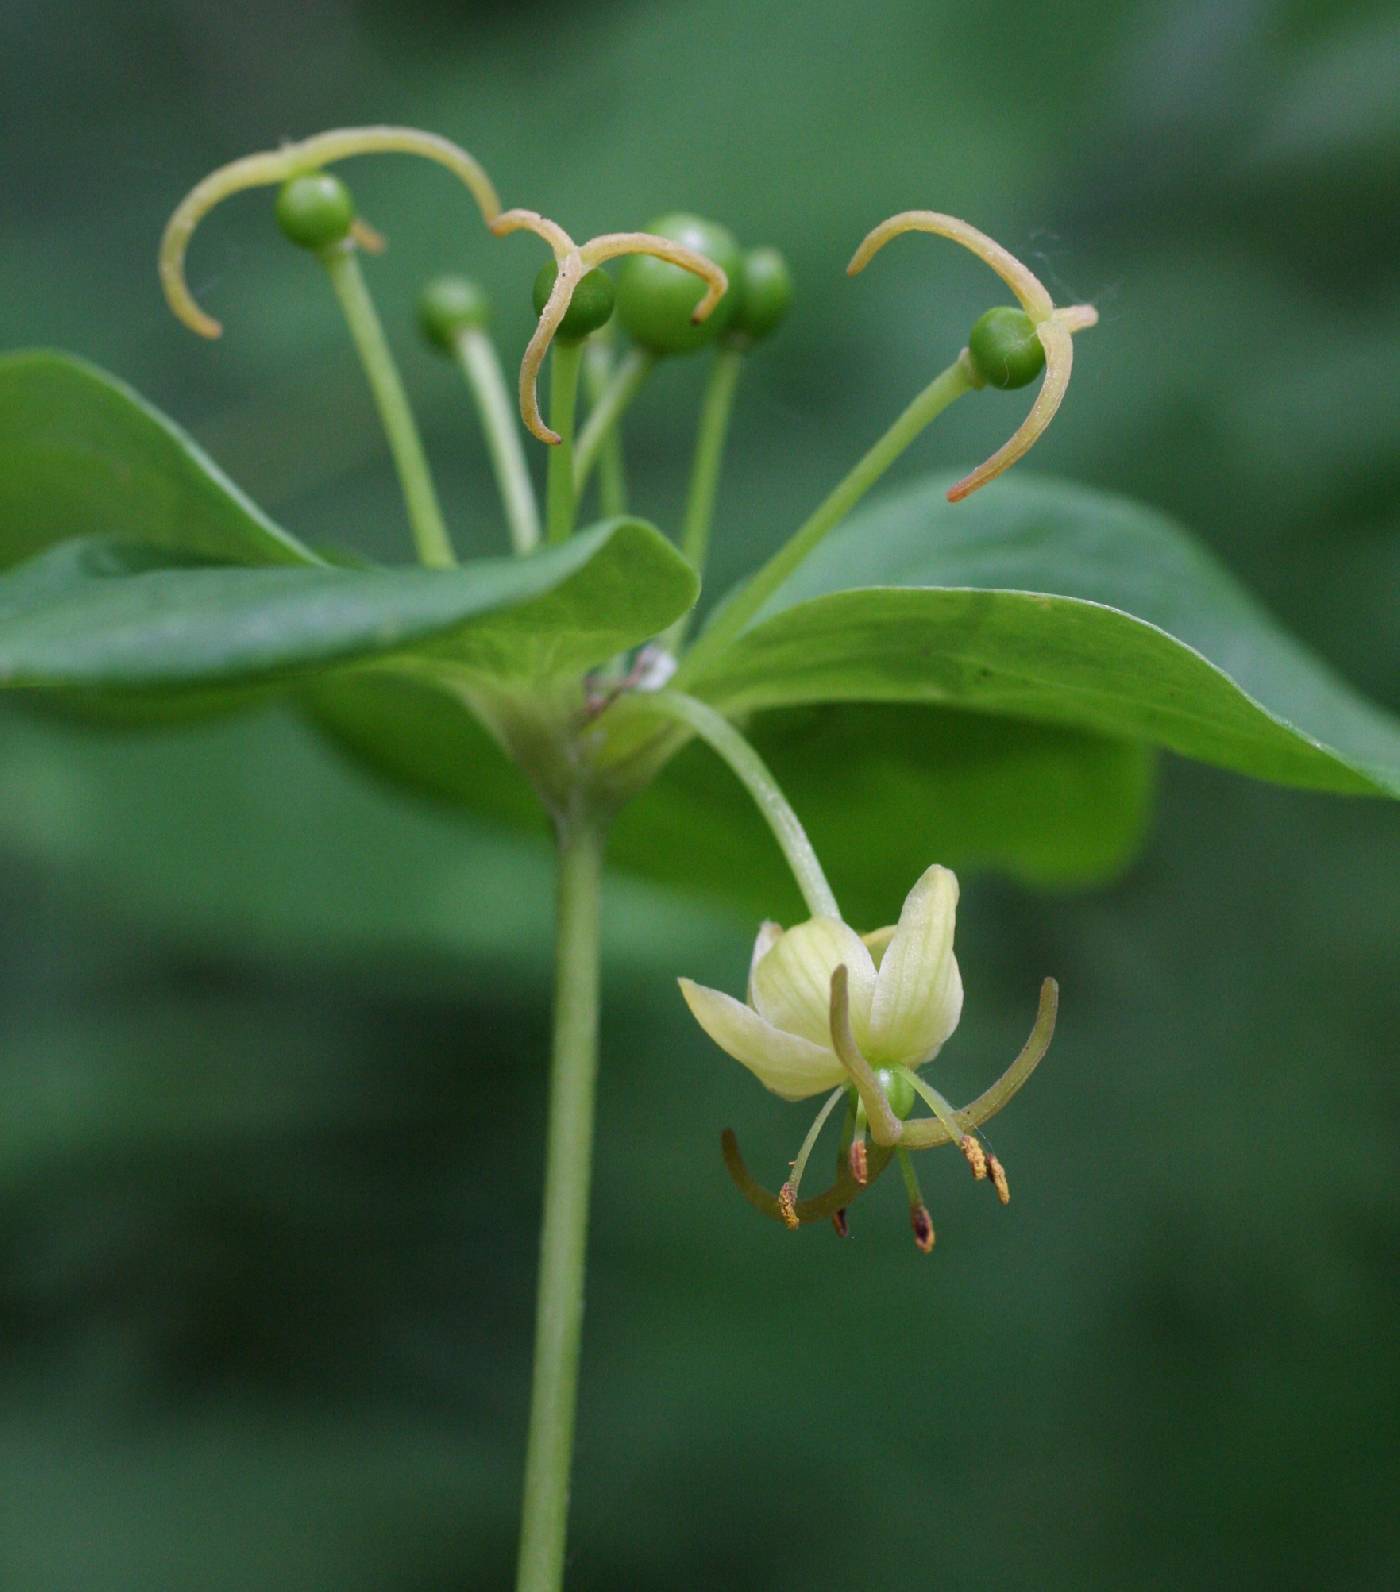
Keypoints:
pixel 271 1079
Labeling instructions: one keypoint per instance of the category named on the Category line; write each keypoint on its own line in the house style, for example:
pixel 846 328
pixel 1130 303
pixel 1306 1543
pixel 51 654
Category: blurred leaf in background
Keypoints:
pixel 266 1246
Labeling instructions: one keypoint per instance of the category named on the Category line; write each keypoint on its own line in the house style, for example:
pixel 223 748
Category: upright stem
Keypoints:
pixel 564 362
pixel 612 473
pixel 704 473
pixel 632 370
pixel 429 531
pixel 731 619
pixel 721 736
pixel 476 358
pixel 564 1231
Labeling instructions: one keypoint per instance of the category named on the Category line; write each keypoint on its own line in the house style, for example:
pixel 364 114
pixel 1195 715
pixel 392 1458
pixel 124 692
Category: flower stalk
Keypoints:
pixel 716 730
pixel 564 1228
pixel 405 445
pixel 475 355
pixel 944 389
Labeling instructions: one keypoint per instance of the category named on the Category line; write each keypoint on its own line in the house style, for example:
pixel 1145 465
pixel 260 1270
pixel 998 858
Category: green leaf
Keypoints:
pixel 84 456
pixel 1057 603
pixel 246 836
pixel 98 616
pixel 883 790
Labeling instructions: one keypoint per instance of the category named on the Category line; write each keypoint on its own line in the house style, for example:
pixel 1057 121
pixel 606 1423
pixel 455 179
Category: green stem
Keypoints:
pixel 564 362
pixel 715 410
pixel 612 470
pixel 632 371
pixel 564 1230
pixel 429 531
pixel 735 615
pixel 716 730
pixel 476 359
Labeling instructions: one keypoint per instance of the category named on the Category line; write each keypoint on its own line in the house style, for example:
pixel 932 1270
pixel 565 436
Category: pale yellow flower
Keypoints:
pixel 905 994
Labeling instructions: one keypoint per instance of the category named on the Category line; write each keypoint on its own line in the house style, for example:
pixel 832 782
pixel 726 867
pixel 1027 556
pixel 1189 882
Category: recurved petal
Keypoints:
pixel 918 993
pixel 785 1063
pixel 792 984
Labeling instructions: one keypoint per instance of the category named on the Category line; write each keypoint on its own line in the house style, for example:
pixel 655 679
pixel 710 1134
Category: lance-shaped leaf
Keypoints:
pixel 1061 604
pixel 1050 805
pixel 85 456
pixel 98 616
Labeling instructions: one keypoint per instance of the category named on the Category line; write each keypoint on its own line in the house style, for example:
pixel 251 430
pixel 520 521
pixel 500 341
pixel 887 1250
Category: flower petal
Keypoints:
pixel 769 933
pixel 918 994
pixel 792 984
pixel 788 1065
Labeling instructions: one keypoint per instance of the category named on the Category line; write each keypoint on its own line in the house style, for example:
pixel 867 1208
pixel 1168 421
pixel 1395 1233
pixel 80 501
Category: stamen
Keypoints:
pixel 842 1192
pixel 276 166
pixel 925 1135
pixel 999 1182
pixel 935 1102
pixel 799 1166
pixel 574 262
pixel 859 1161
pixel 368 238
pixel 919 1218
pixel 976 1157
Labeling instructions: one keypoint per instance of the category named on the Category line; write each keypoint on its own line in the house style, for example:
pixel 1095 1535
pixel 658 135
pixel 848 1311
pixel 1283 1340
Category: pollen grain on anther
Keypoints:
pixel 975 1155
pixel 860 1162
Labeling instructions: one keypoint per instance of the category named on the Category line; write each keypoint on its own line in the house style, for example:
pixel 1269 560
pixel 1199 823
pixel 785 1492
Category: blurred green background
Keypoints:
pixel 271 1081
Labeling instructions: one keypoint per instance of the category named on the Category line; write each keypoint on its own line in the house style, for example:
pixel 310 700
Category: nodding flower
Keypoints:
pixel 574 262
pixel 858 1015
pixel 1007 347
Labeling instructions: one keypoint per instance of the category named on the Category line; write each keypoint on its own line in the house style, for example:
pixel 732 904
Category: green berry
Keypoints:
pixel 590 307
pixel 656 299
pixel 1004 349
pixel 763 293
pixel 315 210
pixel 897 1090
pixel 449 305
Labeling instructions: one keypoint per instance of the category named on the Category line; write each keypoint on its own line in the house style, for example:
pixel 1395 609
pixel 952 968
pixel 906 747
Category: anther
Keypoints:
pixel 787 1206
pixel 839 1222
pixel 922 1223
pixel 976 1157
pixel 999 1182
pixel 859 1161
